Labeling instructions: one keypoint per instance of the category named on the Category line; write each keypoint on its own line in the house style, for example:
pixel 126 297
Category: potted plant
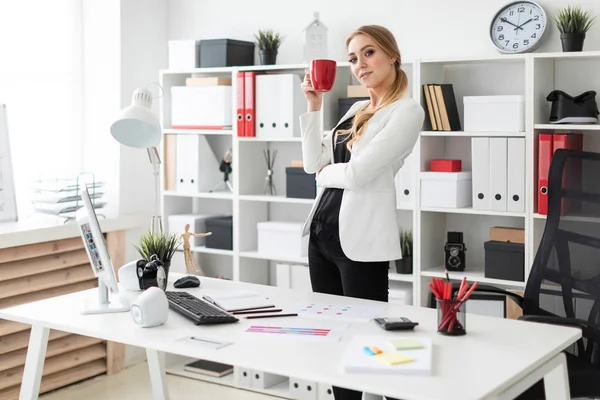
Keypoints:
pixel 268 43
pixel 405 264
pixel 162 244
pixel 573 23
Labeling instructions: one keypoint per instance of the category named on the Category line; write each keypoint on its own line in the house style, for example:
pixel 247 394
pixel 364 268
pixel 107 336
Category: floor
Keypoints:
pixel 133 383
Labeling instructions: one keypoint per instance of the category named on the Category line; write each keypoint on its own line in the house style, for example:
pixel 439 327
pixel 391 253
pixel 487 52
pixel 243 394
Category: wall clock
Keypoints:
pixel 518 27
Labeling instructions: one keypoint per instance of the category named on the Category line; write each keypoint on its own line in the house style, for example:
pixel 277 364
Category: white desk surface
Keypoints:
pixel 493 355
pixel 37 228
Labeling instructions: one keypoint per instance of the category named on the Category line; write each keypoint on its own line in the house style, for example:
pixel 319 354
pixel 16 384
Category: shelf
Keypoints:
pixel 257 255
pixel 405 207
pixel 470 210
pixel 271 139
pixel 471 134
pixel 275 199
pixel 393 276
pixel 229 70
pixel 207 250
pixel 201 195
pixel 216 132
pixel 472 274
pixel 471 60
pixel 577 218
pixel 567 55
pixel 568 127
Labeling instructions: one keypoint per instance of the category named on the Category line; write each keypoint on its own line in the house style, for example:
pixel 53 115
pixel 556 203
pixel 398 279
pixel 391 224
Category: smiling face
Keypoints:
pixel 370 64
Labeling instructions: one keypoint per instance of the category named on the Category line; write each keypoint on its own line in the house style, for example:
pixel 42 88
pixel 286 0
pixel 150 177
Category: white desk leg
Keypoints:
pixel 556 382
pixel 158 378
pixel 34 363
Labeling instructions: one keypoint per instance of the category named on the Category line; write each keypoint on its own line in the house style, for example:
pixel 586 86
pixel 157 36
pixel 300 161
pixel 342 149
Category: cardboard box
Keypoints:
pixel 208 81
pixel 505 234
pixel 358 91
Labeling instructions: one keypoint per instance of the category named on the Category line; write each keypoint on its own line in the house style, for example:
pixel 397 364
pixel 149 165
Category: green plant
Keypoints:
pixel 162 244
pixel 573 20
pixel 268 40
pixel 406 243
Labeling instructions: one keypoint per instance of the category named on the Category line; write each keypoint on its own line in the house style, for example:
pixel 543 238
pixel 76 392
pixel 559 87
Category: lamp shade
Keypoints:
pixel 137 125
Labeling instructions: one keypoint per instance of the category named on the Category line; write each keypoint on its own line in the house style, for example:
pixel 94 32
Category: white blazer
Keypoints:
pixel 368 224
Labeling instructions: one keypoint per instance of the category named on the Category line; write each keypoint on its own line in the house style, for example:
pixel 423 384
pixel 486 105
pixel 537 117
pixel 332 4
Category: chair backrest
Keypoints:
pixel 565 276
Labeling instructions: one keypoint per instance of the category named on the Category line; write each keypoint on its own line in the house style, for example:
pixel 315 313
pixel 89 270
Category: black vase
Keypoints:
pixel 404 265
pixel 267 57
pixel 167 265
pixel 572 41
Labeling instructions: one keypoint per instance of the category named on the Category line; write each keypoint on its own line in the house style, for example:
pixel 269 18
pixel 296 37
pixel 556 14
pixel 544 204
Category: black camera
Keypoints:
pixel 455 252
pixel 152 273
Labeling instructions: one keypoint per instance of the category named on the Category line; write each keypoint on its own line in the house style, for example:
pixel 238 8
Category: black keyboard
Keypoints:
pixel 200 312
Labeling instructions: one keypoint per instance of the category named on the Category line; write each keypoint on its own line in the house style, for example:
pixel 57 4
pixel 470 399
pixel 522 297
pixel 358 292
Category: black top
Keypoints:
pixel 328 210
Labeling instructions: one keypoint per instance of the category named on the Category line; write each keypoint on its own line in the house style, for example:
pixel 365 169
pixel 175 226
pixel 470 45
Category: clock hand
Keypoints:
pixel 508 22
pixel 520 26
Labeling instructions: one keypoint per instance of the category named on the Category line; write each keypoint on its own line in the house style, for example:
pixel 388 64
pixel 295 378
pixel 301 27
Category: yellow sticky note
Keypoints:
pixel 394 358
pixel 406 344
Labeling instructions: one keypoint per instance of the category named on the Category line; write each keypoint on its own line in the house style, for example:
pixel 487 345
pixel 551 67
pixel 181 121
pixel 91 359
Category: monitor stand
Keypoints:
pixel 102 305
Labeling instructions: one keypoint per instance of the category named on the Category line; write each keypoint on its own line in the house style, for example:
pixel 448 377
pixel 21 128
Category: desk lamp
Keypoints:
pixel 137 126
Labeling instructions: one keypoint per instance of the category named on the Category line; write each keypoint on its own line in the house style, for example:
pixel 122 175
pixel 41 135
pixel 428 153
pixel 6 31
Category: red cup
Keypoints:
pixel 322 74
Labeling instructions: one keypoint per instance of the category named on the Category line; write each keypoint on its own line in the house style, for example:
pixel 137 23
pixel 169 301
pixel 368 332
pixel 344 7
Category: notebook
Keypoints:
pixel 407 361
pixel 211 368
pixel 238 300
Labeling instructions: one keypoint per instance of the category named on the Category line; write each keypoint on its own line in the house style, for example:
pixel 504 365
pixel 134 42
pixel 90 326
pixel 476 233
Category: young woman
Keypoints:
pixel 353 225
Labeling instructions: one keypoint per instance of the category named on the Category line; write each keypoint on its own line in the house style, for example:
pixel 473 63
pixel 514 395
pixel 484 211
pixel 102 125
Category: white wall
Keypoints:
pixel 422 28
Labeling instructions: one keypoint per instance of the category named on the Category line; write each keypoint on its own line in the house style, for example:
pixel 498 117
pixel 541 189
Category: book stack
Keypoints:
pixel 441 107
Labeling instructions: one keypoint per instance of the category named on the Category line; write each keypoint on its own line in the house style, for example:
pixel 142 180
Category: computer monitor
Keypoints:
pixel 95 246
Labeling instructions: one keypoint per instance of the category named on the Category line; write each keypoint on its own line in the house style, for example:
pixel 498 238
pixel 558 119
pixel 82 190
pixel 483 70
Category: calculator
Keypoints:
pixel 392 324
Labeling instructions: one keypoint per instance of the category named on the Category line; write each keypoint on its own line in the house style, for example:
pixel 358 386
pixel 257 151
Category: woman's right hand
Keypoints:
pixel 314 98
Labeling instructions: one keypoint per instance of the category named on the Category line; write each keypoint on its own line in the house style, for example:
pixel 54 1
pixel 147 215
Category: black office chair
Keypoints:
pixel 563 287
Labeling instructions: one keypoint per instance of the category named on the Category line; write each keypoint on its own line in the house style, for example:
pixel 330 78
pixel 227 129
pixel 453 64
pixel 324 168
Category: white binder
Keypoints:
pixel 498 184
pixel 404 183
pixel 279 103
pixel 197 166
pixel 480 165
pixel 516 175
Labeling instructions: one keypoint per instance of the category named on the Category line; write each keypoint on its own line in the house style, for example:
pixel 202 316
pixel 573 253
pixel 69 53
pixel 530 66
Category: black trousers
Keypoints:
pixel 332 272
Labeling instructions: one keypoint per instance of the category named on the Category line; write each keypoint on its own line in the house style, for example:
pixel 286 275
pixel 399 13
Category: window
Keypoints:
pixel 41 81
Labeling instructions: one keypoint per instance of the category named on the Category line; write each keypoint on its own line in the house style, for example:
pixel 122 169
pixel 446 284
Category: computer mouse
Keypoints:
pixel 186 282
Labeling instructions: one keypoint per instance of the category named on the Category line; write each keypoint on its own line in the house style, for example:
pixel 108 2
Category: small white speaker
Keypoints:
pixel 151 308
pixel 128 276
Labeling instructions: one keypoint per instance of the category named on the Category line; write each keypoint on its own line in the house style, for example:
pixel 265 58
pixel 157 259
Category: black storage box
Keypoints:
pixel 504 260
pixel 345 103
pixel 222 233
pixel 226 53
pixel 299 184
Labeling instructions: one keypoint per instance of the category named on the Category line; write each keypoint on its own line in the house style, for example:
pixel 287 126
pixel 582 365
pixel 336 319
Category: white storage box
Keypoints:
pixel 177 226
pixel 293 276
pixel 446 189
pixel 282 239
pixel 184 54
pixel 494 113
pixel 201 107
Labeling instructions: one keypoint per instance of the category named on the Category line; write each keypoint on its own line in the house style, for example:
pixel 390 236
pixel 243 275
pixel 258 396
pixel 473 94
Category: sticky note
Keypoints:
pixel 394 358
pixel 406 344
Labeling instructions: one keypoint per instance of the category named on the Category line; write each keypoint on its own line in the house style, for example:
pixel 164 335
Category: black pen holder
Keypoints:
pixel 451 318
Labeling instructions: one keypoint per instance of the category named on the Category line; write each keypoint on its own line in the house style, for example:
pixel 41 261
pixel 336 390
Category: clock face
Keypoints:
pixel 518 27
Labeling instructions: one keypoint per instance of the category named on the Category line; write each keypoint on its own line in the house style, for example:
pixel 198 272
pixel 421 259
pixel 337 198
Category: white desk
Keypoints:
pixel 495 360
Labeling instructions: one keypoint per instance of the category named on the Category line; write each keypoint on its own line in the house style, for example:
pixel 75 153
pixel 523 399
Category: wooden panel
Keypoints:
pixel 55 347
pixel 513 311
pixel 48 280
pixel 13 376
pixel 170 160
pixel 8 327
pixel 38 265
pixel 115 360
pixel 60 379
pixel 45 294
pixel 20 340
pixel 40 249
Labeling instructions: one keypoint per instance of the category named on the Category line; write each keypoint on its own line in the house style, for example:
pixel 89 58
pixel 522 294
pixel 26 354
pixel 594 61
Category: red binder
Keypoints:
pixel 545 150
pixel 249 95
pixel 572 172
pixel 240 114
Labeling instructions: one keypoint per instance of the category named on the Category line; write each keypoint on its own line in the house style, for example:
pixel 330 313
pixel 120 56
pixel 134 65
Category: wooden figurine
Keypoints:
pixel 187 249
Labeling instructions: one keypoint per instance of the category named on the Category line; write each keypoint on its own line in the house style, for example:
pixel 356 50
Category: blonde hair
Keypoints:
pixel 385 39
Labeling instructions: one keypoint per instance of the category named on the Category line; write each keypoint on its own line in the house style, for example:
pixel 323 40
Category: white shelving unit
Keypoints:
pixel 532 75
